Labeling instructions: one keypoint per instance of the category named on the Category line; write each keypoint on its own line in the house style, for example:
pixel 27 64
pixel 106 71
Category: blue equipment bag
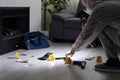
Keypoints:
pixel 36 40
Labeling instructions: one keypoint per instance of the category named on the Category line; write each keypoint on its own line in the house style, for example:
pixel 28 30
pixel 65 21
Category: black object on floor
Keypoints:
pixel 59 58
pixel 45 57
pixel 82 64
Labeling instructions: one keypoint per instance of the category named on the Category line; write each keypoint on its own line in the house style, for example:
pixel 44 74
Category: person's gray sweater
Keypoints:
pixel 106 13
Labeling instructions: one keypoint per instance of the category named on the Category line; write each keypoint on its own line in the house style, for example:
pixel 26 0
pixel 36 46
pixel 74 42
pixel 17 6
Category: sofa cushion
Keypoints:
pixel 62 16
pixel 71 34
pixel 73 23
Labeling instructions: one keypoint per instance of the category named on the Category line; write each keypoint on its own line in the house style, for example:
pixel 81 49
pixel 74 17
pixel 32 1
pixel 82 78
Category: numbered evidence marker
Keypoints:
pixel 99 59
pixel 51 57
pixel 19 58
pixel 18 55
pixel 68 60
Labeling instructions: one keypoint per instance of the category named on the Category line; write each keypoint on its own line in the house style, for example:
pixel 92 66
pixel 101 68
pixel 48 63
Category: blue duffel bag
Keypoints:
pixel 36 40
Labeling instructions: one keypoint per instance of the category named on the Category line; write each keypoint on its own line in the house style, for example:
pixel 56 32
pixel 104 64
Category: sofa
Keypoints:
pixel 66 26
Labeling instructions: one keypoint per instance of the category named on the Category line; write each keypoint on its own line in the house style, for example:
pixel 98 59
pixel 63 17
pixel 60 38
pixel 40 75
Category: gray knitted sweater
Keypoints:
pixel 106 13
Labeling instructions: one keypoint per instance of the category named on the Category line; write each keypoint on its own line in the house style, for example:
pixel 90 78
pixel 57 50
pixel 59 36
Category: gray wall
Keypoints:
pixel 35 10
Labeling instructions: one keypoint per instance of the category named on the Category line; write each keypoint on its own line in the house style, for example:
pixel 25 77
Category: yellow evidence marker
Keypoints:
pixel 99 59
pixel 18 55
pixel 51 57
pixel 68 60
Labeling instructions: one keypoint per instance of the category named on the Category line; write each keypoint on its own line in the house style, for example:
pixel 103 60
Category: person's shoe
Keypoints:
pixel 106 68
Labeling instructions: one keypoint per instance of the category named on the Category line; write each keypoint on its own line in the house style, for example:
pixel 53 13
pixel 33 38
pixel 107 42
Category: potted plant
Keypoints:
pixel 53 6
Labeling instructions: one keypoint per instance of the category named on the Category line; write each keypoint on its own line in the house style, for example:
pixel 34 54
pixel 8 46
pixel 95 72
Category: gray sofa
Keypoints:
pixel 66 26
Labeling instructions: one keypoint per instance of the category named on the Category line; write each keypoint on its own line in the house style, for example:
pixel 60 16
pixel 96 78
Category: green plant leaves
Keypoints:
pixel 57 5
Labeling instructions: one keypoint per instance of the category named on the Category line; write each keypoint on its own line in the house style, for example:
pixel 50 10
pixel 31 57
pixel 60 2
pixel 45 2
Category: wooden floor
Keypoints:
pixel 45 70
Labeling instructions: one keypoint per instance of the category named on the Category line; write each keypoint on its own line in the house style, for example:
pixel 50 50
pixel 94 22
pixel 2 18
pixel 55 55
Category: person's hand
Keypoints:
pixel 71 53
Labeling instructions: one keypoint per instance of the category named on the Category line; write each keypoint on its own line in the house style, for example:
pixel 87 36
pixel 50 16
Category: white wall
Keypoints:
pixel 35 10
pixel 72 6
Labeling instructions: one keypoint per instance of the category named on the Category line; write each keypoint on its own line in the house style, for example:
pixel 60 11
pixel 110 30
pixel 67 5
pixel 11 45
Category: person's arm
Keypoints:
pixel 87 35
pixel 90 31
pixel 102 15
